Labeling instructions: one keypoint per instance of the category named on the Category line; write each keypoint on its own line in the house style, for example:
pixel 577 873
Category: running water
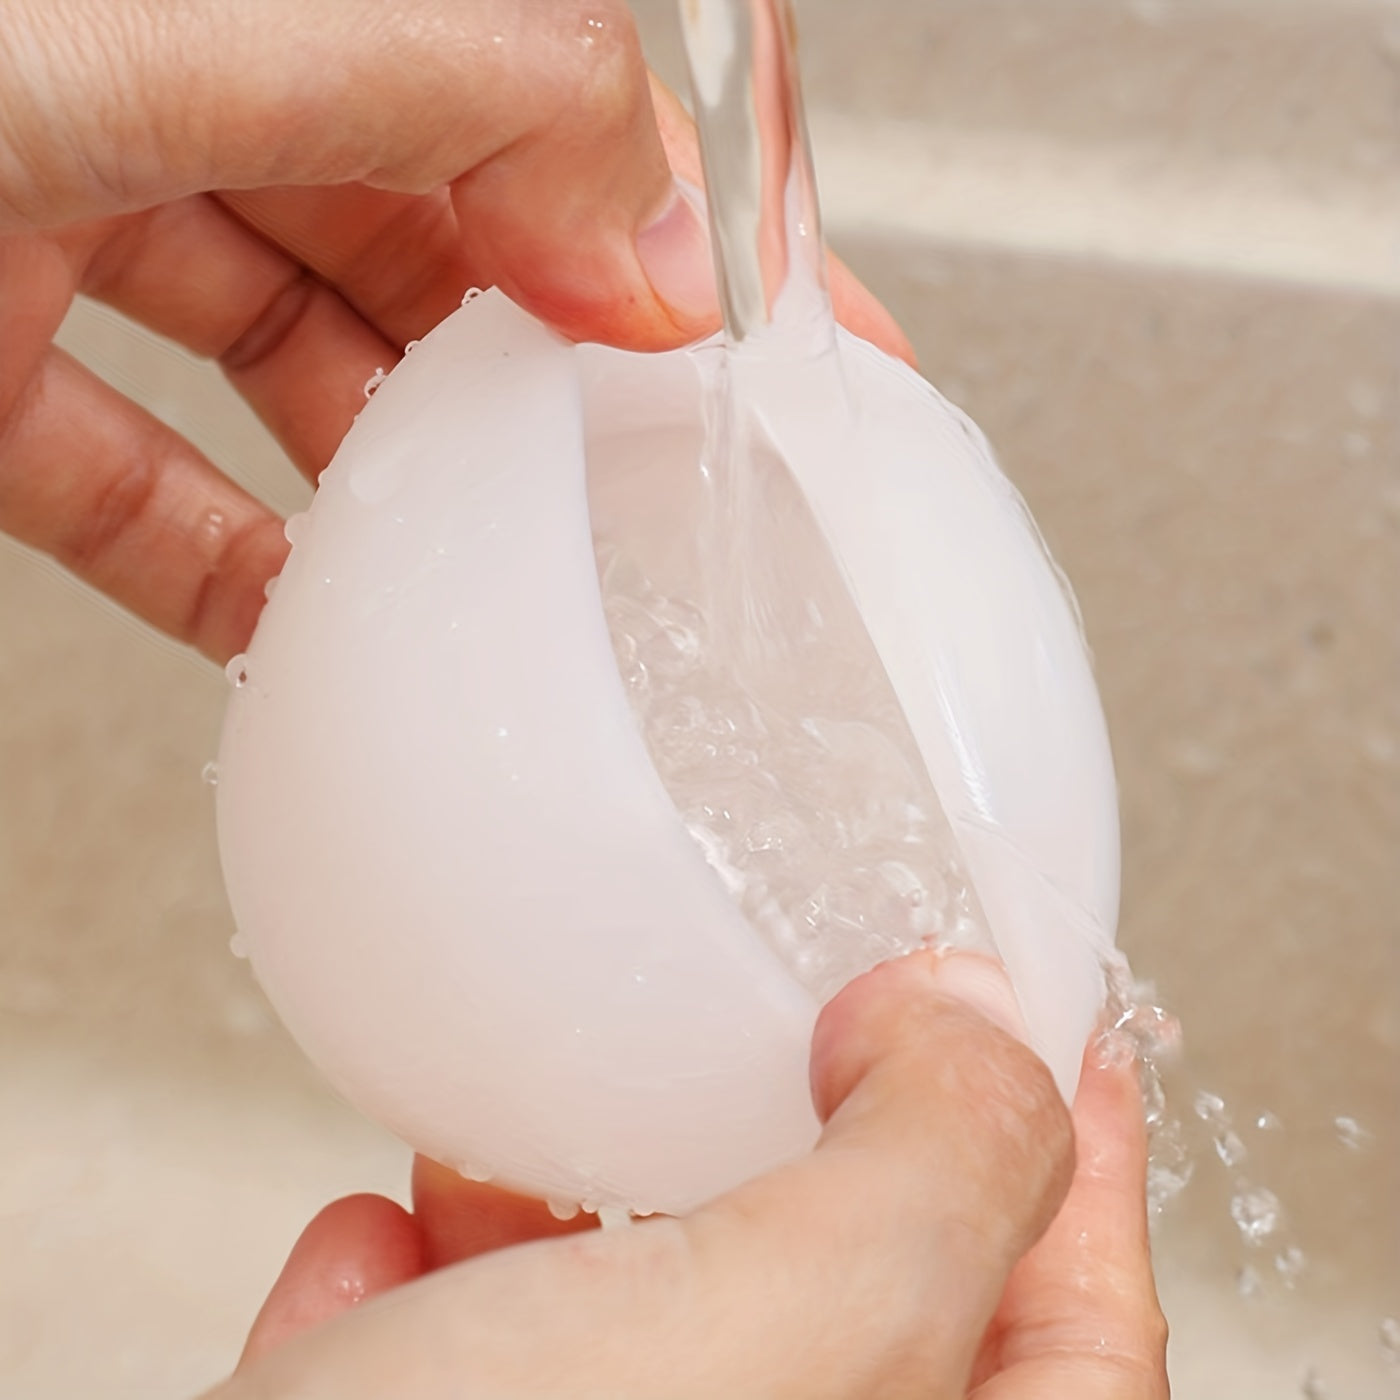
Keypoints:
pixel 766 709
pixel 763 702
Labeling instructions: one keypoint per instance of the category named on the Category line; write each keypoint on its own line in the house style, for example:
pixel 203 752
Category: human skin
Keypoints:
pixel 298 190
pixel 891 1262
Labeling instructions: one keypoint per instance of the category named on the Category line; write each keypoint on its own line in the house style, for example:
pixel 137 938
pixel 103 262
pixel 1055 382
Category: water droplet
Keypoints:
pixel 209 774
pixel 1255 1209
pixel 1289 1264
pixel 412 345
pixel 1268 1122
pixel 473 1171
pixel 294 529
pixel 375 380
pixel 472 293
pixel 614 1217
pixel 1390 1340
pixel 563 1210
pixel 1248 1282
pixel 1312 1387
pixel 1230 1149
pixel 1210 1108
pixel 269 588
pixel 1351 1134
pixel 238 946
pixel 237 671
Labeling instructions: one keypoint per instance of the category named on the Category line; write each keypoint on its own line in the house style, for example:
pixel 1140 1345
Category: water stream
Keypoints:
pixel 765 707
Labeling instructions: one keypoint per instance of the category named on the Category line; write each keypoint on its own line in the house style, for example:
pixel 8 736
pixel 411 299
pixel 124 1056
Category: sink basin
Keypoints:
pixel 1151 247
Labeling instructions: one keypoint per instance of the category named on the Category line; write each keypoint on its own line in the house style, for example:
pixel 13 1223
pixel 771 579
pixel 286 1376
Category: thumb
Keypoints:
pixel 946 1153
pixel 537 113
pixel 868 1269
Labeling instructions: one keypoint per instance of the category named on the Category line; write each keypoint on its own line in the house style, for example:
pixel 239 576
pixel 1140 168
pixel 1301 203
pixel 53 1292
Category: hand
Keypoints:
pixel 892 1262
pixel 370 162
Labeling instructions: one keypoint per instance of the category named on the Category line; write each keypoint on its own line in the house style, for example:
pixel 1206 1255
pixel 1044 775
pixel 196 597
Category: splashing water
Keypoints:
pixel 810 802
pixel 1256 1210
pixel 1351 1134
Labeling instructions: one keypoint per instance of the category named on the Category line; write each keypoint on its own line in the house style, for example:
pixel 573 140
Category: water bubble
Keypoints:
pixel 1390 1340
pixel 209 774
pixel 563 1210
pixel 1290 1264
pixel 238 946
pixel 1256 1210
pixel 237 671
pixel 375 380
pixel 793 780
pixel 1229 1148
pixel 472 293
pixel 1350 1133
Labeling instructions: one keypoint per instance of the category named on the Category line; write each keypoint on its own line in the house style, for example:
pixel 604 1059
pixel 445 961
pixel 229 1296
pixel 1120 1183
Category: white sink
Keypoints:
pixel 1154 248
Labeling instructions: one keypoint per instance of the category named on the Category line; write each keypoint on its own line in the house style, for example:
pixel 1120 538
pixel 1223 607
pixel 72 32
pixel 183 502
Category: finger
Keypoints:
pixel 288 342
pixel 461 1219
pixel 403 264
pixel 854 306
pixel 847 1275
pixel 36 287
pixel 946 1152
pixel 398 259
pixel 354 1250
pixel 1081 1315
pixel 125 503
pixel 544 102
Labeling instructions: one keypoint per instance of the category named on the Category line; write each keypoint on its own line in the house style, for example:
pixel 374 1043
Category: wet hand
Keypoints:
pixel 298 190
pixel 926 1248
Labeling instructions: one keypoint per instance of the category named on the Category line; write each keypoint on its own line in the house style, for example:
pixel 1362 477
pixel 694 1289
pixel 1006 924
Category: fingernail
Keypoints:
pixel 982 983
pixel 674 251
